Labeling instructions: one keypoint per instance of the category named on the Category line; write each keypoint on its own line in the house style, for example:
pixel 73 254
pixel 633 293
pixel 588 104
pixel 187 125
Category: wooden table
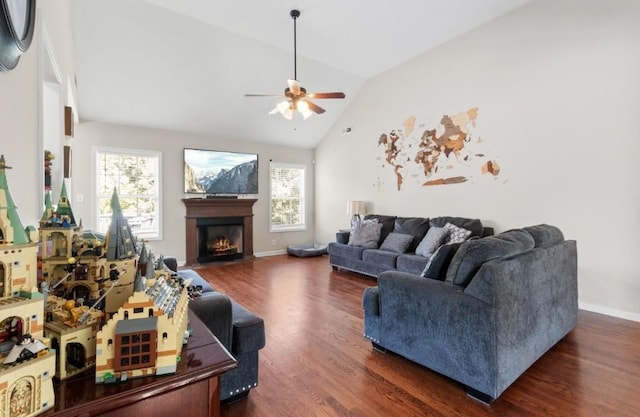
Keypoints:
pixel 193 391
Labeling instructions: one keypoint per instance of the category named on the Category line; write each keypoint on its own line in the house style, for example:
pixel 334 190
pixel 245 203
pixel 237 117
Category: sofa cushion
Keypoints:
pixel 365 233
pixel 379 257
pixel 414 226
pixel 387 224
pixel 396 242
pixel 438 264
pixel 456 234
pixel 473 253
pixel 474 225
pixel 432 240
pixel 545 235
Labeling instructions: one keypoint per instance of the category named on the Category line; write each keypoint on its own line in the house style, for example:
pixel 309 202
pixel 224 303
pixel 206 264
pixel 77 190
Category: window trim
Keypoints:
pixel 130 151
pixel 303 198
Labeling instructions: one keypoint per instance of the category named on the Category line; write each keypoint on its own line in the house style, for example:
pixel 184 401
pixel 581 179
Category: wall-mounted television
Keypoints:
pixel 219 172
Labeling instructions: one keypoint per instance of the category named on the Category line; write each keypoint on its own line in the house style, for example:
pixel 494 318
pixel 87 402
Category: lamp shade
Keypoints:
pixel 356 207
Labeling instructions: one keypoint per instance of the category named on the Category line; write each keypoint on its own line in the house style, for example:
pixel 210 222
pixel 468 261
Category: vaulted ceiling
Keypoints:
pixel 185 65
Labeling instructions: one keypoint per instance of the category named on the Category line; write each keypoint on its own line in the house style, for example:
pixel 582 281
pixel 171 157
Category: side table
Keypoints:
pixel 193 391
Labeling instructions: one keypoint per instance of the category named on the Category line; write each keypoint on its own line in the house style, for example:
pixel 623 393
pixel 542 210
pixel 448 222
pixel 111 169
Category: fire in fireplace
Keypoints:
pixel 219 239
pixel 221 246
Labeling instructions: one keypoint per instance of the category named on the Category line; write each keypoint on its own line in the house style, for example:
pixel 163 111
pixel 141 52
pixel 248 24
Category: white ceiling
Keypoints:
pixel 185 65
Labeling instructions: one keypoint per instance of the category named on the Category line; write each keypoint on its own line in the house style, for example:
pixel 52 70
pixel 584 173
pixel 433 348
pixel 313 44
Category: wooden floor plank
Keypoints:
pixel 317 363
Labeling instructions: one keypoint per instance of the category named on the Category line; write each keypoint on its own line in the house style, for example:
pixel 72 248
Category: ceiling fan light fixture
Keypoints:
pixel 303 108
pixel 285 108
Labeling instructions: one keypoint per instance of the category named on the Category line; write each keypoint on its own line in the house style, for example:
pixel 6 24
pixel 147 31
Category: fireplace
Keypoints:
pixel 220 239
pixel 218 229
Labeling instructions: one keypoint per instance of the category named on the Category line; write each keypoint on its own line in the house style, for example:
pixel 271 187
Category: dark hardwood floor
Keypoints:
pixel 317 363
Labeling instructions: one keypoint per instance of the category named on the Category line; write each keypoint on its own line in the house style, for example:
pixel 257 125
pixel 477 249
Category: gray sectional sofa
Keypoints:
pixel 500 304
pixel 240 332
pixel 372 261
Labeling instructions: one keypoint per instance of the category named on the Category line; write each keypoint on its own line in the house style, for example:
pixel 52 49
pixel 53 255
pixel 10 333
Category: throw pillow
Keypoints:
pixel 365 233
pixel 439 262
pixel 456 234
pixel 387 224
pixel 432 241
pixel 396 242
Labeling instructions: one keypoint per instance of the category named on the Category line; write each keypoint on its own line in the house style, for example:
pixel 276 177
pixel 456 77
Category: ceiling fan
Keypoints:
pixel 297 97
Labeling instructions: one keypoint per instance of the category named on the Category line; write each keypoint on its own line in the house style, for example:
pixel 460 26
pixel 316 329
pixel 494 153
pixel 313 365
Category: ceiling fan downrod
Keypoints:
pixel 295 14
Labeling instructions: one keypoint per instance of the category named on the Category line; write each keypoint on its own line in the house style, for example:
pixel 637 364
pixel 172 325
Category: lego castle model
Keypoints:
pixel 102 303
pixel 108 305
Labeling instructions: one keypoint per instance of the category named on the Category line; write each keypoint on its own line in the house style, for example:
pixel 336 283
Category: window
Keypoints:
pixel 135 174
pixel 287 197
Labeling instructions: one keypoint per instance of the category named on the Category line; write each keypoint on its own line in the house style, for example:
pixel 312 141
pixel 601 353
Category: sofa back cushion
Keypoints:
pixel 545 235
pixel 387 224
pixel 414 226
pixel 475 225
pixel 473 253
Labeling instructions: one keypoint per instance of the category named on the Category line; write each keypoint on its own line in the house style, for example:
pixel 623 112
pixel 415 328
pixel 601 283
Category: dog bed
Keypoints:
pixel 304 250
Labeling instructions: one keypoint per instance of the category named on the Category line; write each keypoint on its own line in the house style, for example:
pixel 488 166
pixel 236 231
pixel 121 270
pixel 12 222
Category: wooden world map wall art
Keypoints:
pixel 451 153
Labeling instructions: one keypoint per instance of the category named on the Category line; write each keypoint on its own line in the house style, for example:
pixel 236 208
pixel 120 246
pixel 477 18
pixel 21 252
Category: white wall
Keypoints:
pixel 19 108
pixel 557 87
pixel 171 144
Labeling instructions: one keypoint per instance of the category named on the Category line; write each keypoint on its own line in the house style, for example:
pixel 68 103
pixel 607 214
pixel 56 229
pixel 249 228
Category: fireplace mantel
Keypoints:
pixel 212 208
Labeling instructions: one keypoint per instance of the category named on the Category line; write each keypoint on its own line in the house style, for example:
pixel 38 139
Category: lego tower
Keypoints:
pixel 26 386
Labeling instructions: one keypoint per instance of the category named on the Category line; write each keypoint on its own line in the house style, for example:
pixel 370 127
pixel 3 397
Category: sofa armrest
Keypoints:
pixel 371 301
pixel 437 325
pixel 416 309
pixel 342 236
pixel 248 331
pixel 214 309
pixel 399 284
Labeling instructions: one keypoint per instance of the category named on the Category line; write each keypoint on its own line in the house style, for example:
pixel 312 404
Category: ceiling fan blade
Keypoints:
pixel 326 95
pixel 314 107
pixel 263 95
pixel 294 86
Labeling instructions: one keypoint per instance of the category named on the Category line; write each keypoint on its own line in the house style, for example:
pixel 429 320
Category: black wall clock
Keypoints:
pixel 17 23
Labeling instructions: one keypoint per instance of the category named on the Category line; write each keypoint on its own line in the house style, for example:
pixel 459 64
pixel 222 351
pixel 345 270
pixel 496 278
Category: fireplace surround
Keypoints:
pixel 211 222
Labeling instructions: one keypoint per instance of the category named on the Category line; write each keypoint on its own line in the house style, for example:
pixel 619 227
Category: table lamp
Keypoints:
pixel 356 208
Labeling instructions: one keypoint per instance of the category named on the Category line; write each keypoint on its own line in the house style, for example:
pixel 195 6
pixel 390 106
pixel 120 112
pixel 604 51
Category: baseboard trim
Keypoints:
pixel 270 253
pixel 595 308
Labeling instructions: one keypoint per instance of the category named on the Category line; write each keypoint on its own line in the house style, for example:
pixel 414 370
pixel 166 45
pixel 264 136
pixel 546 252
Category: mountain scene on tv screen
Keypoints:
pixel 241 179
